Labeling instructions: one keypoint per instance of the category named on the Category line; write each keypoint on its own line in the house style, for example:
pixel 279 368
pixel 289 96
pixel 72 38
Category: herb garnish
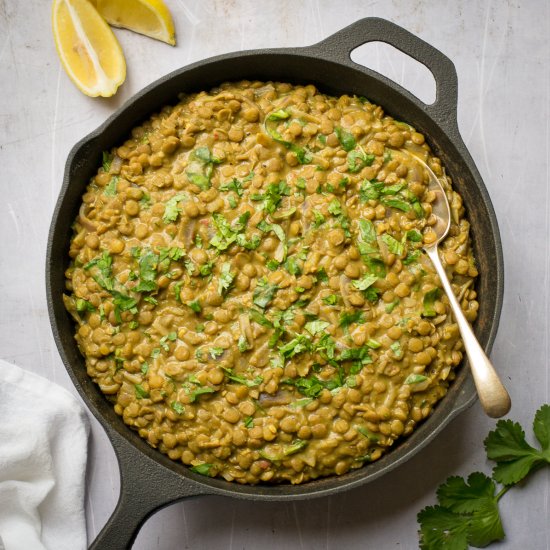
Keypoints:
pixel 111 188
pixel 264 293
pixel 358 159
pixel 107 159
pixel 171 208
pixel 303 155
pixel 345 138
pixel 428 302
pixel 467 513
pixel 204 156
pixel 202 469
pixel 226 279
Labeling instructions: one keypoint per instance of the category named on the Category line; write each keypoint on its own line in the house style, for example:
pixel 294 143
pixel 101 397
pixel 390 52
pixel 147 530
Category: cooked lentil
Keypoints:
pixel 249 286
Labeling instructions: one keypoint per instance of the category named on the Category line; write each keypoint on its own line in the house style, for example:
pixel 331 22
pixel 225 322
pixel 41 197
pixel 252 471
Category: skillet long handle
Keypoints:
pixel 492 394
pixel 339 46
pixel 145 487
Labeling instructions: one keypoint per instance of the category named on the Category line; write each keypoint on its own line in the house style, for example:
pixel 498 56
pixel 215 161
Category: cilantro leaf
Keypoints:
pixel 394 246
pixel 233 185
pixel 315 327
pixel 148 263
pixel 111 188
pixel 347 319
pixel 367 231
pixel 370 190
pixel 199 180
pixel 477 502
pixel 205 155
pixel 414 236
pixel 296 446
pixel 171 208
pixel 202 469
pixel 177 407
pixel 428 302
pixel 334 207
pixel 107 159
pixel 141 393
pixel 468 512
pixel 541 427
pixel 241 379
pixel 345 138
pixel 226 279
pixel 263 294
pixel 302 154
pixel 358 159
pixel 415 379
pixel 310 386
pixel 441 529
pixel 515 458
pixel 83 305
pixel 365 282
pixel 465 497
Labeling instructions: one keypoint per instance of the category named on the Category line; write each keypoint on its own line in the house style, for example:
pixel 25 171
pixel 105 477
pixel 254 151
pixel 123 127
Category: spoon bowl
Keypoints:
pixel 493 396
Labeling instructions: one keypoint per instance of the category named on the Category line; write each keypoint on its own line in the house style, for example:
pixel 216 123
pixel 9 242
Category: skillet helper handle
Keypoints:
pixel 338 47
pixel 145 487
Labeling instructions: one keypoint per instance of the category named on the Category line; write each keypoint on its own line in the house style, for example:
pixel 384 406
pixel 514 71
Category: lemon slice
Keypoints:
pixel 87 47
pixel 149 17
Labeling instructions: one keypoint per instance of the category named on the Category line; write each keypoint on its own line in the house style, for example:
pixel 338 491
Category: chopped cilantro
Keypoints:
pixel 148 262
pixel 319 219
pixel 177 407
pixel 296 446
pixel 396 348
pixel 111 188
pixel 394 246
pixel 414 236
pixel 331 299
pixel 345 138
pixel 107 159
pixel 358 159
pixel 415 379
pixel 315 327
pixel 292 266
pixel 391 306
pixel 83 305
pixel 302 154
pixel 241 379
pixel 233 185
pixel 348 318
pixel 171 208
pixel 365 282
pixel 202 469
pixel 195 305
pixel 215 352
pixel 226 279
pixel 264 293
pixel 141 393
pixel 428 302
pixel 248 422
pixel 335 208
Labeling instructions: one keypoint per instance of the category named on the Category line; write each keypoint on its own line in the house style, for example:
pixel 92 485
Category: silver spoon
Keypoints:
pixel 493 396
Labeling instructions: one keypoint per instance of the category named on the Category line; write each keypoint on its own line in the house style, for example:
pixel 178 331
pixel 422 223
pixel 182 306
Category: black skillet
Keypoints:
pixel 150 480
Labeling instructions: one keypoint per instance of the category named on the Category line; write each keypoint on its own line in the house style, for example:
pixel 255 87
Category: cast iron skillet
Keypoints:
pixel 150 480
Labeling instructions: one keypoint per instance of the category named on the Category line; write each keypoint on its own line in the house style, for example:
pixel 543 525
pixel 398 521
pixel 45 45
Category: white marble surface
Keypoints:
pixel 502 54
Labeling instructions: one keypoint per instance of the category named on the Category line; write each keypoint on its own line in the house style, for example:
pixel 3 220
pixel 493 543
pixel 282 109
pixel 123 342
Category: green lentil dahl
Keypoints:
pixel 249 286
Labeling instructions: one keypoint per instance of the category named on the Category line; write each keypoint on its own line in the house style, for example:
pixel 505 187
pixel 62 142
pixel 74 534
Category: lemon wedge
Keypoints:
pixel 87 47
pixel 149 17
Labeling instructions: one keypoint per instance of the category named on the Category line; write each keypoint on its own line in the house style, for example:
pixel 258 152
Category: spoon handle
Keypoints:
pixel 492 394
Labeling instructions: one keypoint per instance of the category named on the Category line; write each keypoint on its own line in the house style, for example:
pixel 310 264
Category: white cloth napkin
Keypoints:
pixel 43 450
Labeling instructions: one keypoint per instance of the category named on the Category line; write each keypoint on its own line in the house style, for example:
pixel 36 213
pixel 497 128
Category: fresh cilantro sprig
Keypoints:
pixel 468 513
